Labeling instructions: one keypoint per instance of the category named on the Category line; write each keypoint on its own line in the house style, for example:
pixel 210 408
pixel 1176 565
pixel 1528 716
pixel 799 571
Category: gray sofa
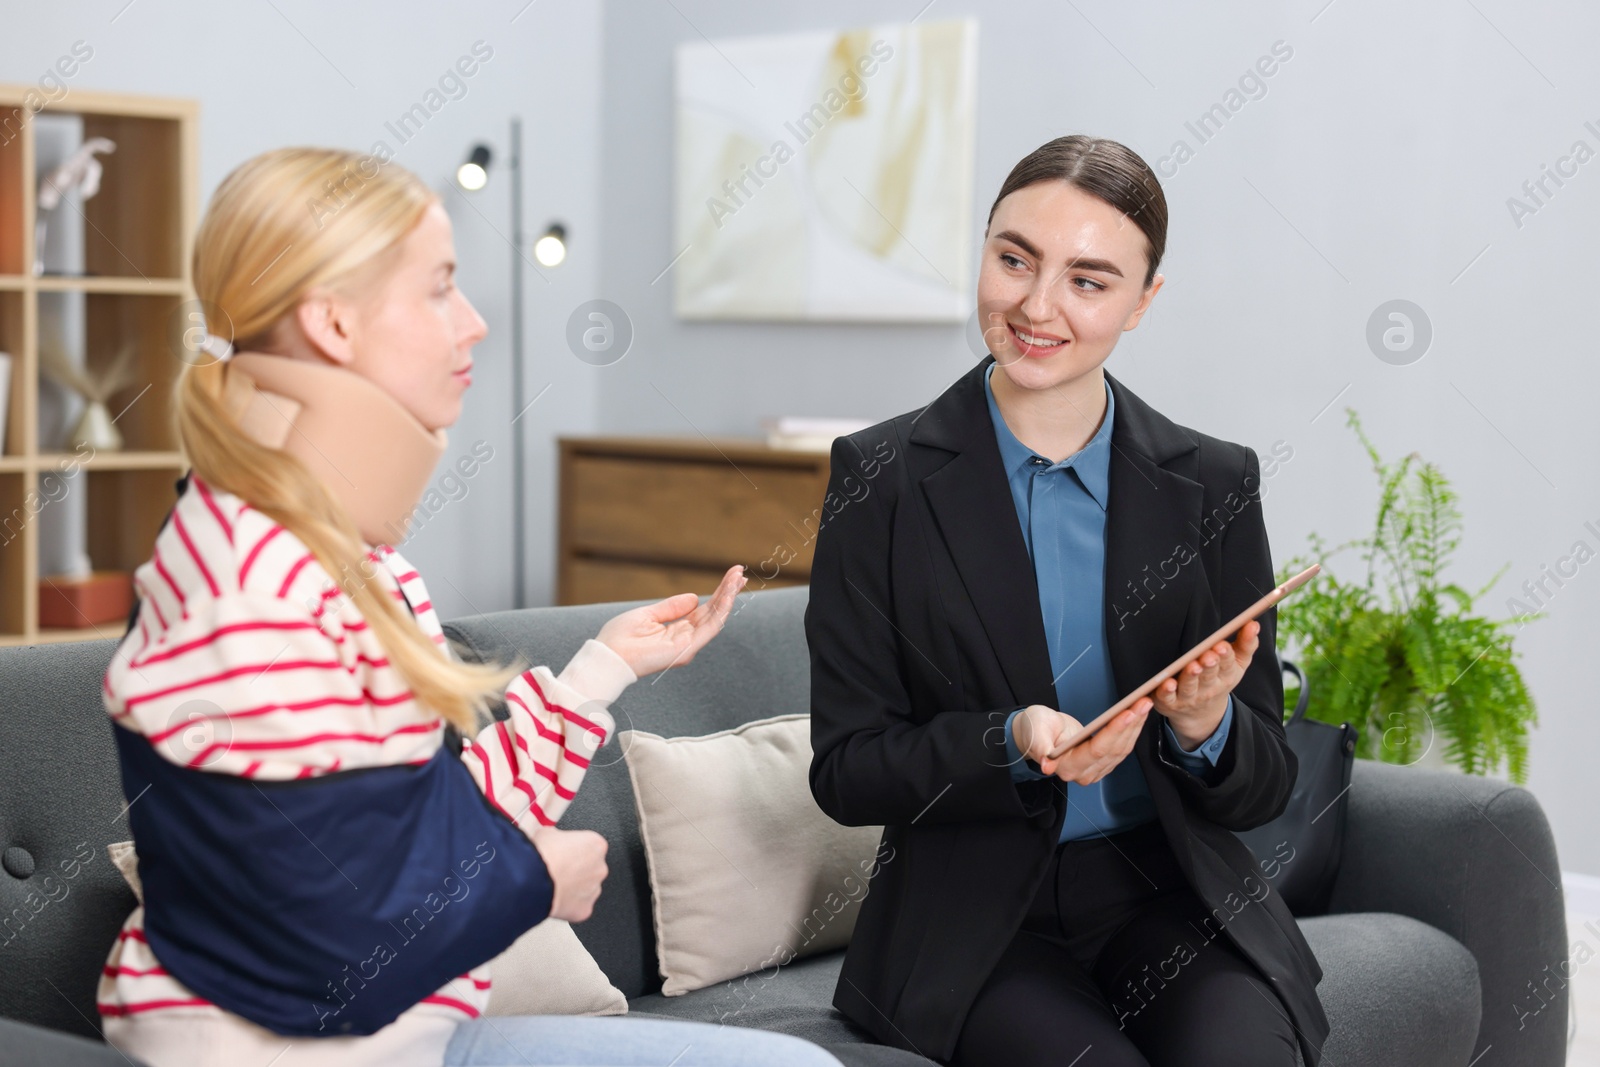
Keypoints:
pixel 1448 904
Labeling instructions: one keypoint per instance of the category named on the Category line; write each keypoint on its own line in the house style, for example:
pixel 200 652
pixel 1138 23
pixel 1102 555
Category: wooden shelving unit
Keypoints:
pixel 138 235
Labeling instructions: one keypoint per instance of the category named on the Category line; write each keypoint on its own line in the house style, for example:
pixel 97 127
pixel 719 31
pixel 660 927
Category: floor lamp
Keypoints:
pixel 550 250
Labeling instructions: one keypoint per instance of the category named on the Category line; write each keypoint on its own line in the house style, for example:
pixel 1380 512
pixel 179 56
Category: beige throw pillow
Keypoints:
pixel 546 971
pixel 746 871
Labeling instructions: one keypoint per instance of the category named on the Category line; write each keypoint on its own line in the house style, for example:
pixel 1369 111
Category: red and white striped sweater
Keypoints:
pixel 249 660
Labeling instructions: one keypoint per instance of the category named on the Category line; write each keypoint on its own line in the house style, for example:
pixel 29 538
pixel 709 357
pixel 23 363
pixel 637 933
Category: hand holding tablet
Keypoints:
pixel 1277 594
pixel 1040 726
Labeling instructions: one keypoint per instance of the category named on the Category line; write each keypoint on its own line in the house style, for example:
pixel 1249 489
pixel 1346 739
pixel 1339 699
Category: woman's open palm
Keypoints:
pixel 669 632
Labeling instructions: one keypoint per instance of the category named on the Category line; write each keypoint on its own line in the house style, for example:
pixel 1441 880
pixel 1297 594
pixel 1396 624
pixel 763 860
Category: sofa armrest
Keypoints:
pixel 1473 857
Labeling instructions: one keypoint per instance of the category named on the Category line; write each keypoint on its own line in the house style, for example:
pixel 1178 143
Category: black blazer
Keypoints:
pixel 925 630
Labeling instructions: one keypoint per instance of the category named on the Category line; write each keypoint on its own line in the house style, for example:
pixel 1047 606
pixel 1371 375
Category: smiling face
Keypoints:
pixel 409 329
pixel 1062 278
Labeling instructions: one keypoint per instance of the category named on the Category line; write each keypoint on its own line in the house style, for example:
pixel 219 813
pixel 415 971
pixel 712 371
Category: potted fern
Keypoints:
pixel 1410 664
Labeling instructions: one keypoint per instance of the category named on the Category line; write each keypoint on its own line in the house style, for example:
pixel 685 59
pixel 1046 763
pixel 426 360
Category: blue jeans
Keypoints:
pixel 618 1041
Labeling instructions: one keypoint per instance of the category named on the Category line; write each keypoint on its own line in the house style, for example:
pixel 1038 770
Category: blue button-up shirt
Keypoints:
pixel 1062 509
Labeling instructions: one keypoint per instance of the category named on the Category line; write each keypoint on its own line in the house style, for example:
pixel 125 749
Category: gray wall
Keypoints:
pixel 1377 165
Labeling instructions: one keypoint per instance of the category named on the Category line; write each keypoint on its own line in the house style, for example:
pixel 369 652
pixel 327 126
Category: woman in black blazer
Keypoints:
pixel 985 939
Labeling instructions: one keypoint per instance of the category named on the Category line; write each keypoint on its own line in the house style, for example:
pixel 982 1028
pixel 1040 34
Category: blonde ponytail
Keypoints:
pixel 279 225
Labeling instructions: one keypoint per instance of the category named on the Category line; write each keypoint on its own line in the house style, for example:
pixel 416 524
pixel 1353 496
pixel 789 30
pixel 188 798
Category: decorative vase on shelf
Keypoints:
pixel 95 427
pixel 96 430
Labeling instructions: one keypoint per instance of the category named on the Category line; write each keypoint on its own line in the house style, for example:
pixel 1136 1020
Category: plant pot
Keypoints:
pixel 1433 759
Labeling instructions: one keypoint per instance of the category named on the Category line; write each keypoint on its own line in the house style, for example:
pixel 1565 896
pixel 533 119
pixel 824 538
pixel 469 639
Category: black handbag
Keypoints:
pixel 1298 852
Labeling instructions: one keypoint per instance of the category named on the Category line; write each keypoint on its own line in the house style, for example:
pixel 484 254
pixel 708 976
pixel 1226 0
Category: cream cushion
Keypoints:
pixel 746 871
pixel 546 971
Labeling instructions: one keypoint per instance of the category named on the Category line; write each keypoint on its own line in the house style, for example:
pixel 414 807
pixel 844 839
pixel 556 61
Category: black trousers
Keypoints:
pixel 1115 967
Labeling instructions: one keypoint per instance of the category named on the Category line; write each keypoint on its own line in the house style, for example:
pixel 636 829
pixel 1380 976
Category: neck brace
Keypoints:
pixel 360 442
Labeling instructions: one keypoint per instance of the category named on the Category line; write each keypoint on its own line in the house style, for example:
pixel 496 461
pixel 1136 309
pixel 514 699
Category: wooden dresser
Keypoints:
pixel 646 517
